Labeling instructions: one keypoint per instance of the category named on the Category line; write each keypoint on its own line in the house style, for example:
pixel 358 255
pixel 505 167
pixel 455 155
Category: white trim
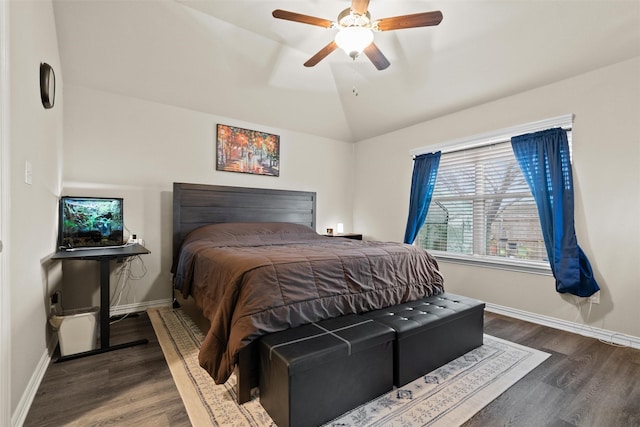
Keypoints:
pixel 5 282
pixel 564 325
pixel 22 410
pixel 139 306
pixel 500 263
pixel 500 135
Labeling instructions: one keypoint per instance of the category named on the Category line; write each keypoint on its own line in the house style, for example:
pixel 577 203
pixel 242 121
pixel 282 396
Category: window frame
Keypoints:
pixel 481 140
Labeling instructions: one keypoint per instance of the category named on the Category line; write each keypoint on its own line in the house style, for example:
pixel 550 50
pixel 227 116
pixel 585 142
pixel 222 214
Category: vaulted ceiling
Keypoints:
pixel 233 59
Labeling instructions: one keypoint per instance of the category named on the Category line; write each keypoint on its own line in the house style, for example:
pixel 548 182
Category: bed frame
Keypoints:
pixel 195 205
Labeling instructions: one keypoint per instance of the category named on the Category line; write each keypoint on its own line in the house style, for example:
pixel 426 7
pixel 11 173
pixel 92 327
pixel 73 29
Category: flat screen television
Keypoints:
pixel 90 222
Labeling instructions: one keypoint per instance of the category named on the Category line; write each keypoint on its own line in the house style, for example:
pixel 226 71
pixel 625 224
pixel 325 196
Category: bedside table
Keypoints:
pixel 353 236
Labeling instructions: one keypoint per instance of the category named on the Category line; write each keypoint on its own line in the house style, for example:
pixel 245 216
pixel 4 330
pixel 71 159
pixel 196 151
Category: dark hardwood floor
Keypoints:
pixel 128 387
pixel 583 383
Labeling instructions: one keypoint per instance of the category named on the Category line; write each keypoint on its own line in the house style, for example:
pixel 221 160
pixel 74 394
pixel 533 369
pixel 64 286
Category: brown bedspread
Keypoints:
pixel 256 278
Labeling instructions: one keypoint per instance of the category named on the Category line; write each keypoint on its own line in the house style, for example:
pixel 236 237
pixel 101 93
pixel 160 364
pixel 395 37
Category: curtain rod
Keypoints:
pixel 500 135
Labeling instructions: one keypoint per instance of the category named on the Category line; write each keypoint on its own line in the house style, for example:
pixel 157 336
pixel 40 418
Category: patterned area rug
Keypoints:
pixel 448 396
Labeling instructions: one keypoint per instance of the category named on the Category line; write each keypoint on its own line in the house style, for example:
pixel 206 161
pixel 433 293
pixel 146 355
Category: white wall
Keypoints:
pixel 606 159
pixel 5 289
pixel 123 146
pixel 35 136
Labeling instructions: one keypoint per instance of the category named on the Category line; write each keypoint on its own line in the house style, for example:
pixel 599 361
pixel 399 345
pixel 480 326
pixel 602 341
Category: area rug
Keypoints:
pixel 448 396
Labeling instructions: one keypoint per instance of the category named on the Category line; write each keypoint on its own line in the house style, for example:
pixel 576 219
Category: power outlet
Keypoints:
pixel 55 302
pixel 595 298
pixel 134 239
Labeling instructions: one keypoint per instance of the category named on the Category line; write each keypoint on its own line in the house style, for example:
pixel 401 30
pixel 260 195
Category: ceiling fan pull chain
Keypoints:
pixel 354 89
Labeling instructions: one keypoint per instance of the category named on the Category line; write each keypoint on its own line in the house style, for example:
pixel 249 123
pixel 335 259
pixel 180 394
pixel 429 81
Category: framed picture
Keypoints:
pixel 247 151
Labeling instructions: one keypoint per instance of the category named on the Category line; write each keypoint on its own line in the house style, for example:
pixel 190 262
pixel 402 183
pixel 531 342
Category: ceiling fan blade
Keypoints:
pixel 359 6
pixel 376 56
pixel 298 17
pixel 322 53
pixel 424 19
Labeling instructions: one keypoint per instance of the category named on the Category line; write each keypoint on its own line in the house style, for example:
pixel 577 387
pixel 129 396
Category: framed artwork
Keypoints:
pixel 247 151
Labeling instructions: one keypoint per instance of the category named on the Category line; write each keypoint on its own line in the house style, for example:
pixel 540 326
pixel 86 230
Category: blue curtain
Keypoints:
pixel 545 163
pixel 425 171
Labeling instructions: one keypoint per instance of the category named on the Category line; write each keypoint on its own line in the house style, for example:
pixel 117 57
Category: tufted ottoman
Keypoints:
pixel 315 372
pixel 431 332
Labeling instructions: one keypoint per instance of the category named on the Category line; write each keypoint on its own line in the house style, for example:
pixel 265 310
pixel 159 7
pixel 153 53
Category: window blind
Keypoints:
pixel 482 207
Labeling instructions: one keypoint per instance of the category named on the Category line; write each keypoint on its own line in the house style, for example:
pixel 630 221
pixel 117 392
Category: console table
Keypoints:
pixel 104 256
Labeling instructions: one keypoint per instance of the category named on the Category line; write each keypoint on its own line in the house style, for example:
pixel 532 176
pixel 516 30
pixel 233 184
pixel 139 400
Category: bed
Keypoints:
pixel 253 263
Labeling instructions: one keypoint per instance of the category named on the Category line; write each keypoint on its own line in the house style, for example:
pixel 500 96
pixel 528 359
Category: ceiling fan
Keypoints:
pixel 356 30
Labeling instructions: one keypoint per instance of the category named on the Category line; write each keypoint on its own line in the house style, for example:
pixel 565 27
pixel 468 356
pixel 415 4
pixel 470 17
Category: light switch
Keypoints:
pixel 28 172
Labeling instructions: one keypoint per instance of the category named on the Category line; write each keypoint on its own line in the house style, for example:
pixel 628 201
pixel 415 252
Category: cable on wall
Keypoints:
pixel 125 274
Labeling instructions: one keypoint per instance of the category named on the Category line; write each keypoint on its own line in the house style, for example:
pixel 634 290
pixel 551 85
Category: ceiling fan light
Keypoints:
pixel 353 40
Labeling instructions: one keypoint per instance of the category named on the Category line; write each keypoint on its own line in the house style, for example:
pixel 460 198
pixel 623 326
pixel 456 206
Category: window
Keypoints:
pixel 482 210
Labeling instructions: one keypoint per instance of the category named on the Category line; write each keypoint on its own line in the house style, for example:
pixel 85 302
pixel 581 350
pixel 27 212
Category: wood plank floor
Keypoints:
pixel 583 383
pixel 126 387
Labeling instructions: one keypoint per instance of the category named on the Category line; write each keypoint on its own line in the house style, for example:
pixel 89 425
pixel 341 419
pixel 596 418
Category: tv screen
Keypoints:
pixel 90 222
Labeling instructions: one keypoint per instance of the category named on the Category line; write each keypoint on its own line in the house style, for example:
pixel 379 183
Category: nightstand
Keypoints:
pixel 353 236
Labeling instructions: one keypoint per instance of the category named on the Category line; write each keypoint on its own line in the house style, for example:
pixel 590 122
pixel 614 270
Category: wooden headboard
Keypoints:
pixel 195 205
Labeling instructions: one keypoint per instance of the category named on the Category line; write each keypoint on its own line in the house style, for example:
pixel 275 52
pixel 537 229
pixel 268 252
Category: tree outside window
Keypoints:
pixel 482 207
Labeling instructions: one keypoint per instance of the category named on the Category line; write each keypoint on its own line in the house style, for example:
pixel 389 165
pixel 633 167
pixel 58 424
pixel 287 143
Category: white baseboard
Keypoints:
pixel 22 410
pixel 138 307
pixel 564 325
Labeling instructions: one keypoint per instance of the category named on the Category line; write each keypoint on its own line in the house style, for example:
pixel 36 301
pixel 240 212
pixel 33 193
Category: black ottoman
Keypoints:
pixel 316 372
pixel 431 332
